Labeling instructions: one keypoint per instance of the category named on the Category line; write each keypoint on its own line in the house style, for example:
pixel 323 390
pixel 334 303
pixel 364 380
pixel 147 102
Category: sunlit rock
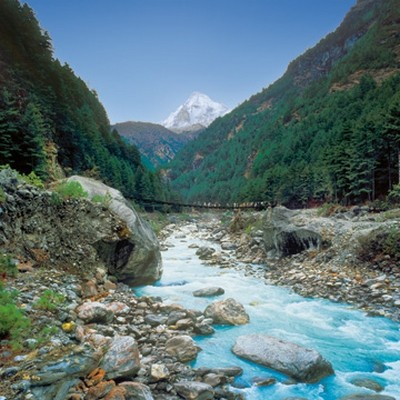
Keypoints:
pixel 227 312
pixel 300 363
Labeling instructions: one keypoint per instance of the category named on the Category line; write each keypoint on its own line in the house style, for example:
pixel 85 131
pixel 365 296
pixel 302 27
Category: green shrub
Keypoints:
pixel 394 195
pixel 70 190
pixel 391 244
pixel 158 221
pixel 55 199
pixel 103 200
pixel 13 323
pixel 7 265
pixel 380 243
pixel 49 300
pixel 32 179
pixel 380 205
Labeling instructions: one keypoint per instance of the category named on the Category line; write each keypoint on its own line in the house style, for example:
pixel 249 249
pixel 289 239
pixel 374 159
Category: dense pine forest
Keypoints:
pixel 328 130
pixel 50 118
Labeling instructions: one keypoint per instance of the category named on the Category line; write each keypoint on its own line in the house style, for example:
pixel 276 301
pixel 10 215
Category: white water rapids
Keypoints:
pixel 358 346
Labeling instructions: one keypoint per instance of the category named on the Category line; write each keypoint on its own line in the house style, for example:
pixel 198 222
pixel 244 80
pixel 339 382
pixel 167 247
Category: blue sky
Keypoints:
pixel 145 57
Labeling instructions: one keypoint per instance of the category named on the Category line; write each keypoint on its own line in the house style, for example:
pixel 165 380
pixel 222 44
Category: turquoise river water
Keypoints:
pixel 358 346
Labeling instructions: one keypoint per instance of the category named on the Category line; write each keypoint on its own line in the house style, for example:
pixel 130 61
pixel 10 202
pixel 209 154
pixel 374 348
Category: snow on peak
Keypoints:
pixel 197 112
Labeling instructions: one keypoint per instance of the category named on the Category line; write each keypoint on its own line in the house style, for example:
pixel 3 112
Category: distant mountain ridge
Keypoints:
pixel 157 144
pixel 198 112
pixel 327 130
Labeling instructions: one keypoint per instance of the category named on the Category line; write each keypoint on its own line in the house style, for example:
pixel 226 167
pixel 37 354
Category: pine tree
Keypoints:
pixel 33 132
pixel 9 116
pixel 392 134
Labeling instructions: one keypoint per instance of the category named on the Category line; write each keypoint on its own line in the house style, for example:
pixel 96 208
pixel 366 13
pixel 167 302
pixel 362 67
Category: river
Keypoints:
pixel 358 346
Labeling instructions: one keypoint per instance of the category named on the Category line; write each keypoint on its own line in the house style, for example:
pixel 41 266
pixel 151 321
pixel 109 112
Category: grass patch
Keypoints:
pixel 70 190
pixel 14 325
pixel 49 300
pixel 105 200
pixel 8 268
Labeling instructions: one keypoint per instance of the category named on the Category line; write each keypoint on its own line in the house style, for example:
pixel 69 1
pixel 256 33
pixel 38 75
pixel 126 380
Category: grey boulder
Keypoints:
pixel 134 257
pixel 208 292
pixel 227 312
pixel 300 363
pixel 282 238
pixel 182 347
pixel 194 390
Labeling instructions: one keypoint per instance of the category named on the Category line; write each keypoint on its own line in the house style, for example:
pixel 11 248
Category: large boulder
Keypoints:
pixel 136 391
pixel 122 358
pixel 283 238
pixel 134 257
pixel 227 312
pixel 94 311
pixel 300 363
pixel 182 347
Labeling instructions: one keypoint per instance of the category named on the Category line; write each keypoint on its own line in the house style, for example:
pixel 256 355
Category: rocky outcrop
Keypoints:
pixel 77 234
pixel 282 238
pixel 301 364
pixel 227 312
pixel 134 258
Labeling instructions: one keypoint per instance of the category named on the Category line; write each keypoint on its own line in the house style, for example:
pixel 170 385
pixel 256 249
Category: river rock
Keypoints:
pixel 122 358
pixel 134 257
pixel 367 397
pixel 190 390
pixel 205 253
pixel 225 371
pixel 301 364
pixel 367 383
pixel 52 380
pixel 136 391
pixel 94 311
pixel 282 238
pixel 227 312
pixel 159 372
pixel 100 390
pixel 182 347
pixel 208 292
pixel 203 328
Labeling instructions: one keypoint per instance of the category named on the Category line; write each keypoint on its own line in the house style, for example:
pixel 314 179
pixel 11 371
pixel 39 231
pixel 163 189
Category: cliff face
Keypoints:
pixel 316 63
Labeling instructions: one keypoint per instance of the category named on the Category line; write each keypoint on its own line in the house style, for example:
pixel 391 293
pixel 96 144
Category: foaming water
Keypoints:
pixel 358 346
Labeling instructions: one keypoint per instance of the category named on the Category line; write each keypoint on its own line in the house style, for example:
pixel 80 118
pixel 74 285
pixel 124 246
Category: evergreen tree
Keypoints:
pixel 392 136
pixel 9 117
pixel 33 130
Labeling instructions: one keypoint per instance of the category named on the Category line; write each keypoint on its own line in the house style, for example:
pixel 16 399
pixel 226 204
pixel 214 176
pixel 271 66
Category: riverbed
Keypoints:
pixel 358 346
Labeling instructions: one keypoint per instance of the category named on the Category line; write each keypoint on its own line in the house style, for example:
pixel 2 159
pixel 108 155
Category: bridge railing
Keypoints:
pixel 255 205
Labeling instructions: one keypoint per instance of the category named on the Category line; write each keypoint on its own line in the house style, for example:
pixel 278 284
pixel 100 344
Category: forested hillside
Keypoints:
pixel 328 130
pixel 49 117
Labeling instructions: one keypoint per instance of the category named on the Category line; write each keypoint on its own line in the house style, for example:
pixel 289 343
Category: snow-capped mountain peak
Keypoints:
pixel 197 112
